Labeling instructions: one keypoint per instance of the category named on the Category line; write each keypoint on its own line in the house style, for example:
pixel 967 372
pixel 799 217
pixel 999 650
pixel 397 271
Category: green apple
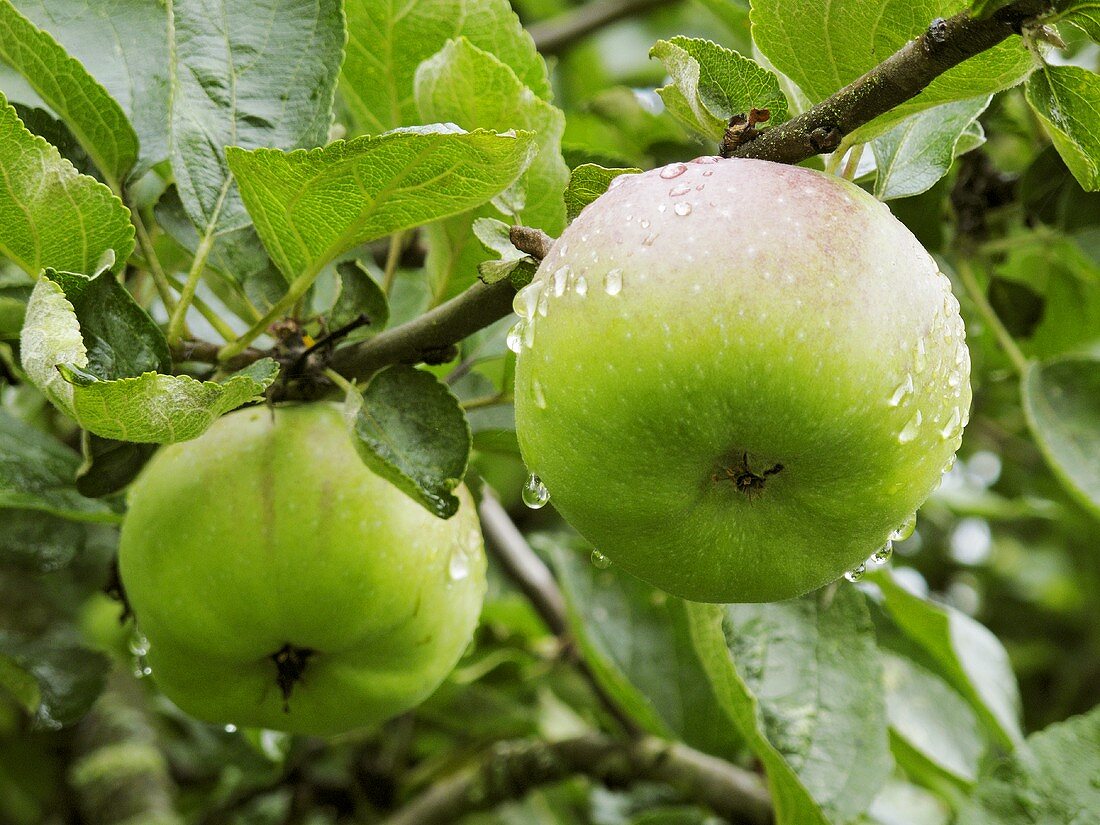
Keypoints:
pixel 737 379
pixel 282 584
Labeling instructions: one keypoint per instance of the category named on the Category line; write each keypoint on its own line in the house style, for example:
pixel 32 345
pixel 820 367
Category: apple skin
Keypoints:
pixel 768 315
pixel 269 530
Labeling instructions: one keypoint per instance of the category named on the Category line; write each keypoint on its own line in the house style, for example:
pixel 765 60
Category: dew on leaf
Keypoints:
pixel 600 561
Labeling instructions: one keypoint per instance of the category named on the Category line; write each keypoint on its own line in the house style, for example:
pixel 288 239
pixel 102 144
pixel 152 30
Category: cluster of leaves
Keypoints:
pixel 154 199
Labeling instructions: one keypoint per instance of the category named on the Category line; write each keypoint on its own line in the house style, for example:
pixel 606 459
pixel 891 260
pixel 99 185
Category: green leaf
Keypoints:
pixel 801 680
pixel 162 409
pixel 711 84
pixel 969 656
pixel 934 724
pixel 919 151
pixel 637 641
pixel 1084 14
pixel 465 85
pixel 824 46
pixel 1067 100
pixel 587 182
pixel 37 472
pixel 109 465
pixel 115 41
pixel 37 541
pixel 410 429
pixel 248 75
pixel 1051 779
pixel 40 122
pixel 69 678
pixel 900 803
pixel 359 295
pixel 96 355
pixel 50 215
pixel 20 685
pixel 311 206
pixel 94 117
pixel 1061 400
pixel 505 260
pixel 238 267
pixel 387 41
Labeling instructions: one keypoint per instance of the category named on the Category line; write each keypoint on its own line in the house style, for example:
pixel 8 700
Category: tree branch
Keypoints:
pixel 431 333
pixel 899 78
pixel 557 34
pixel 537 583
pixel 511 769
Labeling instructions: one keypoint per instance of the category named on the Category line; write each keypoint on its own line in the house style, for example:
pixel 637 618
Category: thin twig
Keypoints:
pixel 393 257
pixel 537 583
pixel 557 34
pixel 977 295
pixel 160 280
pixel 511 769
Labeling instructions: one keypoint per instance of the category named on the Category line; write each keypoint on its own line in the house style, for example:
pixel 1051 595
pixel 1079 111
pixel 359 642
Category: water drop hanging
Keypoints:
pixel 882 555
pixel 905 529
pixel 856 573
pixel 535 494
pixel 600 561
pixel 613 282
pixel 515 337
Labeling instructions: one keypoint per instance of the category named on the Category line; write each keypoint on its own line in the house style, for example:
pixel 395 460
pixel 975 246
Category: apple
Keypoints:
pixel 282 584
pixel 737 379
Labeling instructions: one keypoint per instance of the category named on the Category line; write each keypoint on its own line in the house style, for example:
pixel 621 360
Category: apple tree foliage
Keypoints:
pixel 206 204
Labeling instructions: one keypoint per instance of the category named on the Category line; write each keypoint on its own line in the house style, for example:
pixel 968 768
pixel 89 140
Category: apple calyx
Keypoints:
pixel 290 664
pixel 745 480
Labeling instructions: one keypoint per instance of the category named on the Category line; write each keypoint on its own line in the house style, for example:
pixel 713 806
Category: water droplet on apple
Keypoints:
pixel 682 208
pixel 948 465
pixel 905 529
pixel 708 173
pixel 139 645
pixel 580 286
pixel 535 494
pixel 524 302
pixel 649 239
pixel 515 337
pixel 679 189
pixel 230 728
pixel 561 279
pixel 706 159
pixel 613 282
pixel 953 427
pixel 528 335
pixel 919 359
pixel 882 555
pixel 544 303
pixel 600 561
pixel 643 223
pixel 458 566
pixel 911 428
pixel 901 392
pixel 540 399
pixel 856 573
pixel 673 170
